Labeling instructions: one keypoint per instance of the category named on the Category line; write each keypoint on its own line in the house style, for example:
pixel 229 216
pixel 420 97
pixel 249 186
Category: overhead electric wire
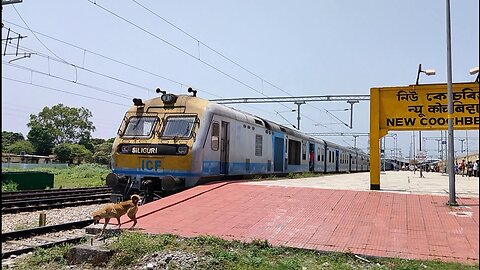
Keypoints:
pixel 178 48
pixel 83 68
pixel 64 91
pixel 34 33
pixel 209 47
pixel 70 81
pixel 115 60
pixel 197 58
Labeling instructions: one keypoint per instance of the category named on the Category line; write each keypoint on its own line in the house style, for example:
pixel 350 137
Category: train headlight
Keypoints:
pixel 169 98
pixel 182 149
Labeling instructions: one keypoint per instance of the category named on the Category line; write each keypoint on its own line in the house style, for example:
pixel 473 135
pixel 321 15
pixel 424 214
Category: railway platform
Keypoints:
pixel 408 218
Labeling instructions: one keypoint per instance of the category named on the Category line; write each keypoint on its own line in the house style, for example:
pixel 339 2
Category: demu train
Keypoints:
pixel 178 141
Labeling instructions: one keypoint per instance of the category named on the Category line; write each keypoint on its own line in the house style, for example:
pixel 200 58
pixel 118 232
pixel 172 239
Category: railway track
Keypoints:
pixel 24 241
pixel 7 196
pixel 13 202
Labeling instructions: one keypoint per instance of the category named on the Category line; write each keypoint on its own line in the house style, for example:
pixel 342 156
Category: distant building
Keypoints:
pixel 27 159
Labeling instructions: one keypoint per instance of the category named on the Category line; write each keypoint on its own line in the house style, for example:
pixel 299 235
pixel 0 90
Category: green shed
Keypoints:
pixel 29 180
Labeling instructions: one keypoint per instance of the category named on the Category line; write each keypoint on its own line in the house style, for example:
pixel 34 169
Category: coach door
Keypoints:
pixel 278 155
pixel 224 143
pixel 337 161
pixel 349 162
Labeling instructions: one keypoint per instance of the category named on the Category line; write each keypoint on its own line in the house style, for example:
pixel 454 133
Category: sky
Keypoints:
pixel 101 54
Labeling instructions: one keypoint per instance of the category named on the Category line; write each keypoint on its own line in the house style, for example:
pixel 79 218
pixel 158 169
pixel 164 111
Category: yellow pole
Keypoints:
pixel 375 135
pixel 374 139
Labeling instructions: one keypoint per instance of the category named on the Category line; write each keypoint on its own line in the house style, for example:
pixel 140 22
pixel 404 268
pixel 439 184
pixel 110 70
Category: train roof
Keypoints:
pixel 188 100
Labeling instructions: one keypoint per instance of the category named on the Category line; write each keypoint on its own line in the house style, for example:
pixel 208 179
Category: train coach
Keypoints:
pixel 174 142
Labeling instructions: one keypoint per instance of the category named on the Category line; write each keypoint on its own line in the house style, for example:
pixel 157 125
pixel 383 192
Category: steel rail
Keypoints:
pixel 57 205
pixel 37 201
pixel 28 193
pixel 7 254
pixel 45 229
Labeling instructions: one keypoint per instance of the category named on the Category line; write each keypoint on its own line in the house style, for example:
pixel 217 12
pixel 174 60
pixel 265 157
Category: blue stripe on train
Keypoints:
pixel 155 173
pixel 212 167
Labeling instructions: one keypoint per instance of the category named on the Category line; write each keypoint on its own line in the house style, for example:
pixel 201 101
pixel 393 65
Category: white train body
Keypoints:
pixel 191 140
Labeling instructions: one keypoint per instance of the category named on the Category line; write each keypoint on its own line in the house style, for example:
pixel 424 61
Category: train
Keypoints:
pixel 173 142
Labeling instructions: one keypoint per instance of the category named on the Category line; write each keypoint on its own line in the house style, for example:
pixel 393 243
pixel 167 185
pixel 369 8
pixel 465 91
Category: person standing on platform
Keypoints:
pixel 475 169
pixel 462 168
pixel 470 169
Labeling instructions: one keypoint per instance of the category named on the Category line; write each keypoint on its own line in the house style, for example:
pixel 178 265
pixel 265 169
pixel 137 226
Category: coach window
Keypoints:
pixel 258 145
pixel 304 151
pixel 140 126
pixel 215 136
pixel 318 154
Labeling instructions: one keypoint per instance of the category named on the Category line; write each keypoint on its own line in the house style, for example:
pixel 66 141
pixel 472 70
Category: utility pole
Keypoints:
pixel 451 170
pixel 421 152
pixel 466 140
pixel 298 103
pixel 351 102
pixel 355 141
pixel 461 146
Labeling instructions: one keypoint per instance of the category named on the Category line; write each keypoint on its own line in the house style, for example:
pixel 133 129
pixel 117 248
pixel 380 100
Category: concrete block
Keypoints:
pixel 93 252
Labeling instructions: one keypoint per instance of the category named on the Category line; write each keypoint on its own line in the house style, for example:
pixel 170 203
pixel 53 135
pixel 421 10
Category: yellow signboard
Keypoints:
pixel 418 107
pixel 425 107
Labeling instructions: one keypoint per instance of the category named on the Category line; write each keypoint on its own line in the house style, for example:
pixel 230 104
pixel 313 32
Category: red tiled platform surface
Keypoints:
pixel 362 222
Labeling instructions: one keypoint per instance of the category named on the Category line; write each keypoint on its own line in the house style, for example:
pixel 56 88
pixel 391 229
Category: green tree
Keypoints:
pixel 9 138
pixel 60 124
pixel 42 140
pixel 103 153
pixel 67 152
pixel 21 146
pixel 97 141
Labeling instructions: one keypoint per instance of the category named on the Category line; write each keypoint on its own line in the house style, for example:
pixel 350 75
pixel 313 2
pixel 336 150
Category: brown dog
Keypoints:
pixel 117 210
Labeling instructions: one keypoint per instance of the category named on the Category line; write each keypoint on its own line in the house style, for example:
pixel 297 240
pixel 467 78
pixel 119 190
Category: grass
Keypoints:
pixel 9 186
pixel 215 253
pixel 292 175
pixel 85 175
pixel 302 175
pixel 52 258
pixel 93 175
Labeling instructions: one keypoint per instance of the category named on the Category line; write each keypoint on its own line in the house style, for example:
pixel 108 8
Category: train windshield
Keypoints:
pixel 180 127
pixel 140 126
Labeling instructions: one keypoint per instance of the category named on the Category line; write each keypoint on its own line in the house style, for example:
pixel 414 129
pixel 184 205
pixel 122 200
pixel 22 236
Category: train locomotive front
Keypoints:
pixel 156 148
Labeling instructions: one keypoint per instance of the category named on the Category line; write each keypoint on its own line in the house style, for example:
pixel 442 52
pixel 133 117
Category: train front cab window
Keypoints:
pixel 140 126
pixel 178 126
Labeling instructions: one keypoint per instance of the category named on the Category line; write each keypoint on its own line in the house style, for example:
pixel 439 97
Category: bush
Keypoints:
pixel 21 146
pixel 67 152
pixel 9 186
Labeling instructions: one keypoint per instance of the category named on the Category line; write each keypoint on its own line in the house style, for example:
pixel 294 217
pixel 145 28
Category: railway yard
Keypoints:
pixel 66 213
pixel 21 234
